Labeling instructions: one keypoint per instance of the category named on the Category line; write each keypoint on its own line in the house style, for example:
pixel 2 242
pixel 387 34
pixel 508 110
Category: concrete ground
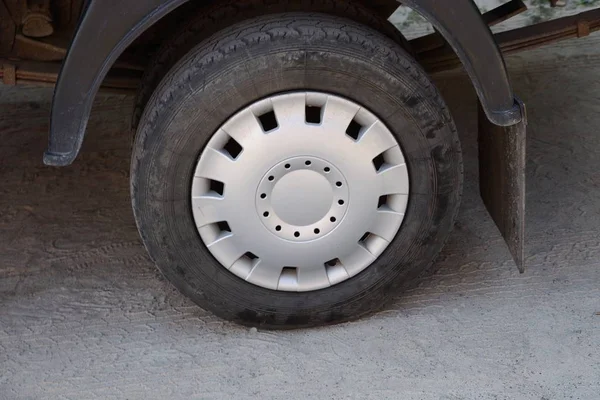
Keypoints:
pixel 84 314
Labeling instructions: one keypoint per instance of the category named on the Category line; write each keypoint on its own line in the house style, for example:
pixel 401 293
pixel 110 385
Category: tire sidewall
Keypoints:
pixel 214 81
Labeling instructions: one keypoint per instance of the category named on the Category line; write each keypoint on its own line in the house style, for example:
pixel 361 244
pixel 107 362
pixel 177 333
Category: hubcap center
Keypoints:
pixel 302 197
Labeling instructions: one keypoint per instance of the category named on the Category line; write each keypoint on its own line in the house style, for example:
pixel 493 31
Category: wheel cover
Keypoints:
pixel 300 191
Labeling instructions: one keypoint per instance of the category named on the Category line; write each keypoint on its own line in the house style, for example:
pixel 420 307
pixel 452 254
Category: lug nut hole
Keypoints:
pixel 338 184
pixel 326 169
pixel 266 214
pixel 341 202
pixel 308 162
pixel 288 166
pixel 263 196
pixel 297 234
pixel 333 219
pixel 278 228
pixel 271 178
pixel 317 231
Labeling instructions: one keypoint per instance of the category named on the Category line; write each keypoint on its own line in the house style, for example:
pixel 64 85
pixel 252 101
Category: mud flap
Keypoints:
pixel 502 179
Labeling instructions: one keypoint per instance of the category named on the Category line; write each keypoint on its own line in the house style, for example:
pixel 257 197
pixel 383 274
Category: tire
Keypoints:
pixel 282 54
pixel 223 14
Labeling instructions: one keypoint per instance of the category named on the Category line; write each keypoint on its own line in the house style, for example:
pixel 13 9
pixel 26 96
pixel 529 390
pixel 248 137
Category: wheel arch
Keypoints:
pixel 100 39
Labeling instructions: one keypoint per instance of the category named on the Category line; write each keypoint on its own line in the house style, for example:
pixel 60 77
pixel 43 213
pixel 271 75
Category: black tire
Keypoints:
pixel 223 14
pixel 274 54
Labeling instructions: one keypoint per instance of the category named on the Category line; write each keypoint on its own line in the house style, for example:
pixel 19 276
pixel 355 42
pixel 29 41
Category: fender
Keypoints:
pixel 107 27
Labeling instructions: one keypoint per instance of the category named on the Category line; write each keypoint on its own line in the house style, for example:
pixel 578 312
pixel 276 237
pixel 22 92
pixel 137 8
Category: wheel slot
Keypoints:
pixel 288 280
pixel 232 148
pixel 333 262
pixel 216 187
pixel 314 114
pixel 355 130
pixel 336 272
pixel 215 232
pixel 379 162
pixel 245 264
pixel 393 203
pixel 390 158
pixel 382 201
pixel 373 244
pixel 268 121
pixel 223 227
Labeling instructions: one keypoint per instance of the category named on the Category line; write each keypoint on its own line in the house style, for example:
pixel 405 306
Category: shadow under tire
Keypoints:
pixel 277 55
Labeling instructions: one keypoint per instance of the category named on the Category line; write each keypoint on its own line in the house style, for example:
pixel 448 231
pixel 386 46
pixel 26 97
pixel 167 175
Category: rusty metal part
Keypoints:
pixel 49 21
pixel 46 73
pixel 31 49
pixel 516 40
pixel 583 29
pixel 38 20
pixel 9 74
pixel 547 32
pixel 502 180
pixel 37 24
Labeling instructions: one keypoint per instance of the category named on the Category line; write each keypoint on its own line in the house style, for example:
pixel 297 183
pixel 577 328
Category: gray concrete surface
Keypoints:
pixel 85 315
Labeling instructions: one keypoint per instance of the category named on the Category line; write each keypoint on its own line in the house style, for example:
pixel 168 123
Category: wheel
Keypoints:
pixel 223 14
pixel 295 170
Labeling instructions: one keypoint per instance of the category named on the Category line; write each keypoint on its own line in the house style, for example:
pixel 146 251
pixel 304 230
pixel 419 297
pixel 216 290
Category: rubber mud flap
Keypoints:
pixel 502 179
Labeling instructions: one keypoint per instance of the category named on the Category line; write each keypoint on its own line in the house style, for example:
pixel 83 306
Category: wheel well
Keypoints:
pixel 150 41
pixel 191 23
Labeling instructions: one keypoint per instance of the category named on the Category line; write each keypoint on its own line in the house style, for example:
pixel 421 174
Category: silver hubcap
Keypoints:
pixel 302 199
pixel 300 191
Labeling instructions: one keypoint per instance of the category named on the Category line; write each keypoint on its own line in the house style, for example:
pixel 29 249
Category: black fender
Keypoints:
pixel 107 27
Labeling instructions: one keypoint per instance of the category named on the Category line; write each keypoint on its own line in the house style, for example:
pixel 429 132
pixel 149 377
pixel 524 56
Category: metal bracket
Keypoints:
pixel 502 179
